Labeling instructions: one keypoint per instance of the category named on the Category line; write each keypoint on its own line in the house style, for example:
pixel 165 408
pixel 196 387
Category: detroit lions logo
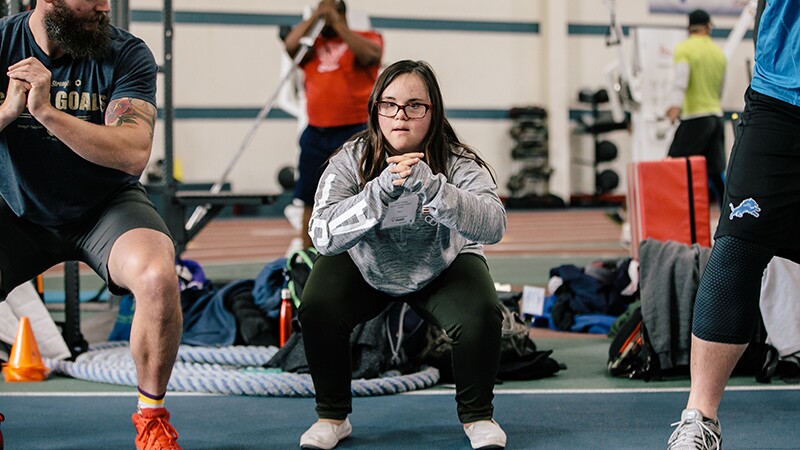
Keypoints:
pixel 748 206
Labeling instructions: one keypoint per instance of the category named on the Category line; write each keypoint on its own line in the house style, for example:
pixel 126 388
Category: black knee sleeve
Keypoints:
pixel 726 307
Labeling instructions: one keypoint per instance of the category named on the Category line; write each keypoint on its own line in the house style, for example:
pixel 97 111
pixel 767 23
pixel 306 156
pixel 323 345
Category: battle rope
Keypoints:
pixel 232 370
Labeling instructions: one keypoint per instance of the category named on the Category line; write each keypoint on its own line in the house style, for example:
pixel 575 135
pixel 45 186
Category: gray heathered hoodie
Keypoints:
pixel 455 214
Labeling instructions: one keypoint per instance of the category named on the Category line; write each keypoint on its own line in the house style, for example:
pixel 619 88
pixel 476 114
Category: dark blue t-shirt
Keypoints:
pixel 41 179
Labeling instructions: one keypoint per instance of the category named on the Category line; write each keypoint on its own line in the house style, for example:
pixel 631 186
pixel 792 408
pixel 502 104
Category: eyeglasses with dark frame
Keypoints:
pixel 413 110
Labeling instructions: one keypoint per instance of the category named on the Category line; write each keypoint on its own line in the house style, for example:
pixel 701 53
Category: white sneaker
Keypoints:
pixel 325 435
pixel 486 434
pixel 294 213
pixel 695 432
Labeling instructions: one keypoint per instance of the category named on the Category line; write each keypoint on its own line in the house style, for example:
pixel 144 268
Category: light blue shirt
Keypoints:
pixel 777 57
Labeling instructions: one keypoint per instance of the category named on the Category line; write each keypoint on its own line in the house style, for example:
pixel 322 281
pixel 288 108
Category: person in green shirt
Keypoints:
pixel 695 99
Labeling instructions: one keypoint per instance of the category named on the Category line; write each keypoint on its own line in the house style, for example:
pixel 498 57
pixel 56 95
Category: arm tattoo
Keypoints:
pixel 131 110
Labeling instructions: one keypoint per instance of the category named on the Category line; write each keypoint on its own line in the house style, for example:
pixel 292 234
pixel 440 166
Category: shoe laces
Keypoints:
pixel 696 434
pixel 159 434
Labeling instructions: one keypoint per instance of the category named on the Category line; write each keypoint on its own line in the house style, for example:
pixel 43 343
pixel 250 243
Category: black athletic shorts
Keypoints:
pixel 316 146
pixel 701 136
pixel 762 190
pixel 28 249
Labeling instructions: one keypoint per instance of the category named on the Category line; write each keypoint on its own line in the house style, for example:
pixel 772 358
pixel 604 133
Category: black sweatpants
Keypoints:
pixel 703 136
pixel 462 300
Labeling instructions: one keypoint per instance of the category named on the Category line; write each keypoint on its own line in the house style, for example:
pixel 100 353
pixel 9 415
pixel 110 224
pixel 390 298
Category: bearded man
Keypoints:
pixel 76 132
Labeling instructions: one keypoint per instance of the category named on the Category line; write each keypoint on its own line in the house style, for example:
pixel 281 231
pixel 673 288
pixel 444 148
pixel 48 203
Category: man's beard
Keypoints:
pixel 81 38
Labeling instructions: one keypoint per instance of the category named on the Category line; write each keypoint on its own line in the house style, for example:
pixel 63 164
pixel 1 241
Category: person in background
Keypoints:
pixel 76 131
pixel 401 214
pixel 340 70
pixel 762 209
pixel 695 98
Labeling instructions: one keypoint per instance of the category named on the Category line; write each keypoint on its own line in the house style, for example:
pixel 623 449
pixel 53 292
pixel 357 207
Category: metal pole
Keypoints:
pixel 17 6
pixel 742 25
pixel 169 109
pixel 120 14
pixel 306 43
pixel 72 310
pixel 627 82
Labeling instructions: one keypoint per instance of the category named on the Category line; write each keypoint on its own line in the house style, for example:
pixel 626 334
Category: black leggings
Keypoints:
pixel 462 300
pixel 726 309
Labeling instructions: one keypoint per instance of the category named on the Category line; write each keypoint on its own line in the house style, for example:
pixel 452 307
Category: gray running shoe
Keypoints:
pixel 694 432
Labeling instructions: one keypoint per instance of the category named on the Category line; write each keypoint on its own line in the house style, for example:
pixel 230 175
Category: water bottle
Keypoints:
pixel 286 316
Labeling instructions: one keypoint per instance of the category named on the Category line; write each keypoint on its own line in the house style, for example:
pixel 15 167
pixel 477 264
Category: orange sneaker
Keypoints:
pixel 153 431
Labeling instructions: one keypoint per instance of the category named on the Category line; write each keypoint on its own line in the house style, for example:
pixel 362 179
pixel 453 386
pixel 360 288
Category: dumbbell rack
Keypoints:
pixel 605 151
pixel 530 155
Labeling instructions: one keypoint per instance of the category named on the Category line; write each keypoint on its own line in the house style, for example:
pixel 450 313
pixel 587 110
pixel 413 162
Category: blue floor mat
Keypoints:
pixel 762 419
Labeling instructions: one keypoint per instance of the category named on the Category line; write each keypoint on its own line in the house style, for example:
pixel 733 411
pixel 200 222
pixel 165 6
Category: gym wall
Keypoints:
pixel 489 56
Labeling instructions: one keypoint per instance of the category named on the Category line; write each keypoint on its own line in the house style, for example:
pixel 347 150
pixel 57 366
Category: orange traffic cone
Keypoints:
pixel 25 361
